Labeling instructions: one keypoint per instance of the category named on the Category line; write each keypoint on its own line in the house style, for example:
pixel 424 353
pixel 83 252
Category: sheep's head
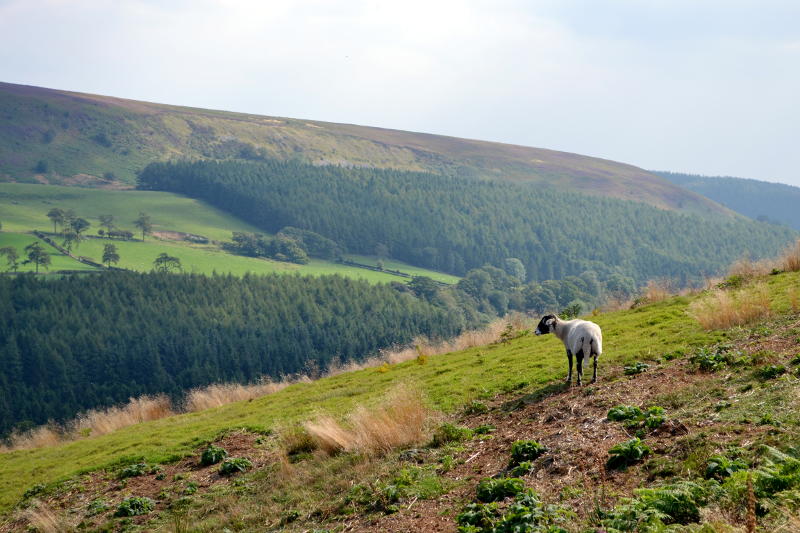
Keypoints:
pixel 546 324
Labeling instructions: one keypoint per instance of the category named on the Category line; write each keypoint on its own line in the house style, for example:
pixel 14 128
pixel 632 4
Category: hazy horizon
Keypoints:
pixel 703 89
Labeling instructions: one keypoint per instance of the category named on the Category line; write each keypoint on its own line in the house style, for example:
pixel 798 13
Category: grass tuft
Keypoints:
pixel 401 420
pixel 724 309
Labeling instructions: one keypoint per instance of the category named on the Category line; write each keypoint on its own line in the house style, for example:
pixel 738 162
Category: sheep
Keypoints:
pixel 580 337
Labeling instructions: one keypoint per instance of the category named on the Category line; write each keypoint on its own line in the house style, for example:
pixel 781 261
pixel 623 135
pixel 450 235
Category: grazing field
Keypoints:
pixel 58 261
pixel 24 207
pixel 520 379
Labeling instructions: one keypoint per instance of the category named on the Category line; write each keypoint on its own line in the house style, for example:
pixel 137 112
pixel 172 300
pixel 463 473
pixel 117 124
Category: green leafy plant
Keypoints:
pixel 35 490
pixel 627 453
pixel 135 470
pixel 709 360
pixel 234 465
pixel 476 408
pixel 522 469
pixel 633 417
pixel 191 488
pixel 213 455
pixel 135 506
pixel 622 413
pixel 447 433
pixel 655 508
pixel 720 467
pixel 768 372
pixel 636 368
pixel 525 450
pixel 484 429
pixel 478 516
pixel 96 507
pixel 492 490
pixel 526 514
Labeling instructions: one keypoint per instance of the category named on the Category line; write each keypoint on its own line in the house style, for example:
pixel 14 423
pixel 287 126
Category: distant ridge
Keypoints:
pixel 761 200
pixel 72 138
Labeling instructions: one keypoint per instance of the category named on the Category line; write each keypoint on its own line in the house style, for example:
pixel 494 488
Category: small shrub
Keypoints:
pixel 654 417
pixel 622 413
pixel 636 368
pixel 289 516
pixel 481 516
pixel 526 514
pixel 447 433
pixel 679 502
pixel 571 311
pixel 634 417
pixel 135 506
pixel 234 465
pixel 96 507
pixel 476 408
pixel 707 360
pixel 627 453
pixel 191 488
pixel 768 420
pixel 720 467
pixel 492 490
pixel 768 372
pixel 138 469
pixel 522 469
pixel 525 450
pixel 297 443
pixel 669 356
pixel 484 429
pixel 213 455
pixel 34 491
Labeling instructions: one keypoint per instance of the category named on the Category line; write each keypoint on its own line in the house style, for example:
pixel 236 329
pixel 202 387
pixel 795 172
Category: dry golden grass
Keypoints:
pixel 723 309
pixel 794 299
pixel 224 393
pixel 746 268
pixel 44 520
pixel 423 348
pixel 789 261
pixel 137 410
pixel 656 290
pixel 38 437
pixel 400 420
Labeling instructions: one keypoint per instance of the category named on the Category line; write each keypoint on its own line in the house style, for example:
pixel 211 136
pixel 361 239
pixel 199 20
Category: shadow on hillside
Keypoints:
pixel 534 397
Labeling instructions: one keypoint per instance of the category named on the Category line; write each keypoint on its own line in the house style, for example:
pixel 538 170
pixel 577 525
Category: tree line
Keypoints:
pixel 455 224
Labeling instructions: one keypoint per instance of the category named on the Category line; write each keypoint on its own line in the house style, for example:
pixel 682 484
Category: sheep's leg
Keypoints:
pixel 579 357
pixel 594 370
pixel 569 376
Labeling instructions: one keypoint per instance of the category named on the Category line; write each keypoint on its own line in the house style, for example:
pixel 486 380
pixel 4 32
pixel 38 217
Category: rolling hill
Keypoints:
pixel 760 200
pixel 715 408
pixel 69 138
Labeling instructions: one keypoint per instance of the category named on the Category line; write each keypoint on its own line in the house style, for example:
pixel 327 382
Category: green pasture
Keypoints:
pixel 24 207
pixel 206 259
pixel 390 264
pixel 58 261
pixel 528 365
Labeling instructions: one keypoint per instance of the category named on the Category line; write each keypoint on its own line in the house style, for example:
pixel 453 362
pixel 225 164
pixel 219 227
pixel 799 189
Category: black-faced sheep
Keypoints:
pixel 580 337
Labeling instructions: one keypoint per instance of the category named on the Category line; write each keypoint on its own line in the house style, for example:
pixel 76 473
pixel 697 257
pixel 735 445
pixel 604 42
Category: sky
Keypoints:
pixel 699 86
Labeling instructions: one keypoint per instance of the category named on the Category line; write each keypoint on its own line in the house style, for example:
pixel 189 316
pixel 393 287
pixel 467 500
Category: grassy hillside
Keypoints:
pixel 100 141
pixel 761 200
pixel 24 207
pixel 709 412
pixel 58 261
